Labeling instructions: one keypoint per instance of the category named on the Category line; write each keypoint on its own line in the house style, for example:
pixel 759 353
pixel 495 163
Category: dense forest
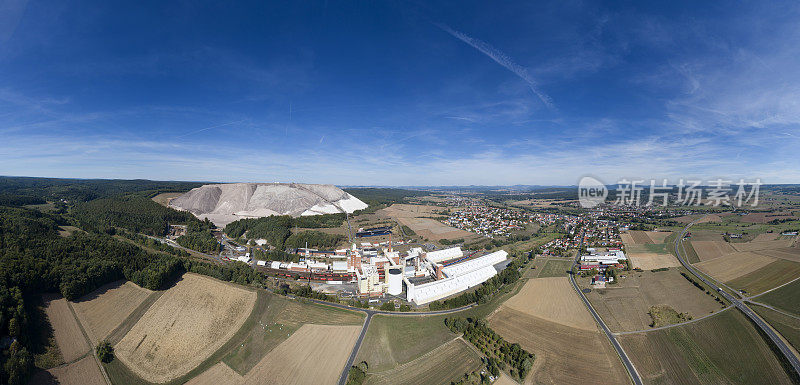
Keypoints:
pixel 132 212
pixel 83 190
pixel 199 237
pixel 277 230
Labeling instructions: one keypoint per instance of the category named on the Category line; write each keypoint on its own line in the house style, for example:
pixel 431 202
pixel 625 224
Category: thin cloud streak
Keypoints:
pixel 500 58
pixel 208 128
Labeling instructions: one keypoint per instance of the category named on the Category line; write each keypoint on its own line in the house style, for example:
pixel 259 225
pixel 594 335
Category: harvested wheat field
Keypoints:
pixel 217 375
pixel 658 236
pixel 67 332
pixel 707 250
pixel 552 299
pixel 733 265
pixel 787 253
pixel 762 245
pixel 650 261
pixel 103 310
pixel 183 327
pixel 640 237
pixel 504 379
pixel 314 354
pixel 83 372
pixel 564 355
pixel 442 365
pixel 627 239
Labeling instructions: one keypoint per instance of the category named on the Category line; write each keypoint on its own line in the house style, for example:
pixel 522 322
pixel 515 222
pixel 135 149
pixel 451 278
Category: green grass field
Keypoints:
pixel 786 298
pixel 395 340
pixel 723 349
pixel 441 366
pixel 770 276
pixel 555 268
pixel 691 255
pixel 788 327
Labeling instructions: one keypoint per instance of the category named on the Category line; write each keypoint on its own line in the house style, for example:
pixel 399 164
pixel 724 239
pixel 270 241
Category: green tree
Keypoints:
pixel 105 352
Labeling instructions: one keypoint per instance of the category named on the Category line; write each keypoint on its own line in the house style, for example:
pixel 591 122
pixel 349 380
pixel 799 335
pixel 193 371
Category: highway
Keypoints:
pixel 634 375
pixel 776 339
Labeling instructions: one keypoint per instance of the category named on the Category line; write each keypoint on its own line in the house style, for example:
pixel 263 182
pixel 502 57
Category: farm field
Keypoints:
pixel 640 237
pixel 414 216
pixel 768 277
pixel 395 340
pixel 625 305
pixel 658 236
pixel 314 354
pixel 82 372
pixel 787 326
pixel 505 380
pixel 762 245
pixel 217 375
pixel 552 299
pixel 538 264
pixel 785 298
pixel 647 250
pixel 446 363
pixel 787 253
pixel 184 326
pixel 564 355
pixel 724 348
pixel 275 319
pixel 555 268
pixel 708 250
pixel 101 311
pixel 733 265
pixel 66 331
pixel 765 217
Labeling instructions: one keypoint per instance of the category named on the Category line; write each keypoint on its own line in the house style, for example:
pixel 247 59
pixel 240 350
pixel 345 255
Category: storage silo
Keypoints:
pixel 395 281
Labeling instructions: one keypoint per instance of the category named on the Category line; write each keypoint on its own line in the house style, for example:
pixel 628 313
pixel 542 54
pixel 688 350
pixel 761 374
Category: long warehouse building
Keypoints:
pixel 459 277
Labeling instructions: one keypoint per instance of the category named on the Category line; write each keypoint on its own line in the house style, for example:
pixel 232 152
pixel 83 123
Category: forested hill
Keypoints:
pixel 82 190
pixel 35 259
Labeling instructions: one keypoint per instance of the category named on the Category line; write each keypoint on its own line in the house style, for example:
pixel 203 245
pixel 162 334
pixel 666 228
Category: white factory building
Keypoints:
pixel 605 258
pixel 457 277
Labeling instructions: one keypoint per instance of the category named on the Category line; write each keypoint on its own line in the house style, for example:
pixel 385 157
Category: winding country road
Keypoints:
pixel 774 337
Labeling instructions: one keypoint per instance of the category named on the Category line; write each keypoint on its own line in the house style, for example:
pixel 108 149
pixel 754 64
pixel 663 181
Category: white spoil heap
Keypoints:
pixel 225 203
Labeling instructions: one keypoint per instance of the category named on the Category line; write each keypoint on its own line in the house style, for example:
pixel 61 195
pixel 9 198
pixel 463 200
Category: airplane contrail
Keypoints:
pixel 500 58
pixel 208 128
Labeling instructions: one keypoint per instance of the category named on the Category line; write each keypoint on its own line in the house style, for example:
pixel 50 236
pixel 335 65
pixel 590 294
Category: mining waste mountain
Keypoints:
pixel 225 203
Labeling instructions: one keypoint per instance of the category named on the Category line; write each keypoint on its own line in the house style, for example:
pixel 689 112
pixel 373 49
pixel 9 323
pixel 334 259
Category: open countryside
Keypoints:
pixel 399 192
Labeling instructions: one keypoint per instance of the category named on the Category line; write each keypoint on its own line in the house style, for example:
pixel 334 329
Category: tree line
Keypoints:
pixel 499 352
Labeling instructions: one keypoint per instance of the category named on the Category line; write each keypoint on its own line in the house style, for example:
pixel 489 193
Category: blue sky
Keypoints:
pixel 400 93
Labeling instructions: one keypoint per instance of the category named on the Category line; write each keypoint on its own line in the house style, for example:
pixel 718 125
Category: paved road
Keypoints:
pixel 354 353
pixel 370 313
pixel 776 339
pixel 637 380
